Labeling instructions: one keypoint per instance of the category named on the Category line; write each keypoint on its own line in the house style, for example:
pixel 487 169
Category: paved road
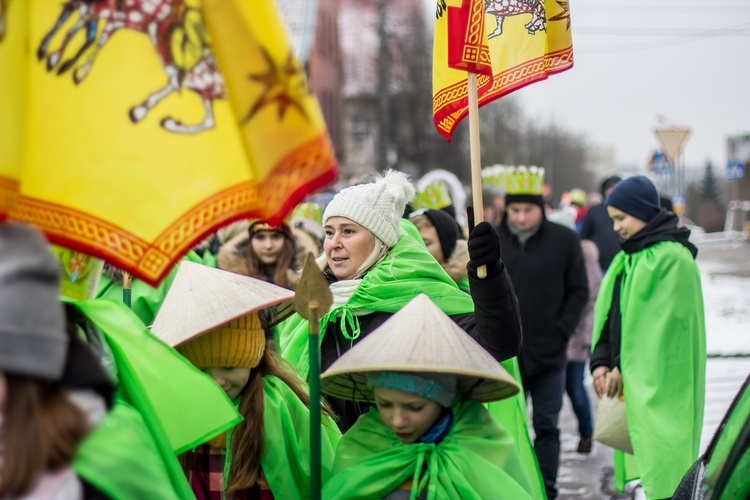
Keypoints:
pixel 589 477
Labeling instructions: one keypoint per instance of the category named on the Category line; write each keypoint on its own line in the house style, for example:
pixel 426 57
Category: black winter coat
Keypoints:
pixel 549 278
pixel 495 324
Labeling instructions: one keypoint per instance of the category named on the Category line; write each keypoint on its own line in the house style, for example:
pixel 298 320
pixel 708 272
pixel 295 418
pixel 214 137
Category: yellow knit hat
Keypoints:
pixel 239 343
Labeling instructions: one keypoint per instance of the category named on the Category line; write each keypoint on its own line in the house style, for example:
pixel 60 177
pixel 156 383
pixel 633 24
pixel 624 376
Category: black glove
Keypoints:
pixel 484 249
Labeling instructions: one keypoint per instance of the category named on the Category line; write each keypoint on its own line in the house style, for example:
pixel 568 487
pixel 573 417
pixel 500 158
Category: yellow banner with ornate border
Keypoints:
pixel 526 41
pixel 120 136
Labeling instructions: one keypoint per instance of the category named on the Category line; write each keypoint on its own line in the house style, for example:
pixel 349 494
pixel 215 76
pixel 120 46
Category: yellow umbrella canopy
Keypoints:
pixel 131 130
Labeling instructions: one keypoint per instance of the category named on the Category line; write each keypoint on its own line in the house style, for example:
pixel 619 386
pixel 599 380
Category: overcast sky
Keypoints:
pixel 685 62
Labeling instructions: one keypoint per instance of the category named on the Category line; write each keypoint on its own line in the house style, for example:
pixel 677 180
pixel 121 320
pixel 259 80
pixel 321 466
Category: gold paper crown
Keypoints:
pixel 308 210
pixel 497 176
pixel 522 180
pixel 434 196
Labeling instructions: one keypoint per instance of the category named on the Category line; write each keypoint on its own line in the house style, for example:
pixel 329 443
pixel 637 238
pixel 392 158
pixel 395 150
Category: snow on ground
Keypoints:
pixel 725 275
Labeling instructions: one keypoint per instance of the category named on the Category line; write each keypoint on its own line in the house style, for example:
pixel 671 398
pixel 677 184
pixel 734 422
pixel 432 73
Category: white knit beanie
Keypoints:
pixel 377 206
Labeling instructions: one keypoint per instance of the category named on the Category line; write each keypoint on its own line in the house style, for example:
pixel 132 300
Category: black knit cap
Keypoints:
pixel 536 199
pixel 636 196
pixel 447 230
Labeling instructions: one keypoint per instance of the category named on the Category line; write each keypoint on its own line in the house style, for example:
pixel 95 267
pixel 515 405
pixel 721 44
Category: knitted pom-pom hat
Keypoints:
pixel 377 206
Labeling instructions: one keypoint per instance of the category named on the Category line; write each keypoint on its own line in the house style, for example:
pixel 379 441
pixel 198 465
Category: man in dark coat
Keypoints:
pixel 546 266
pixel 597 227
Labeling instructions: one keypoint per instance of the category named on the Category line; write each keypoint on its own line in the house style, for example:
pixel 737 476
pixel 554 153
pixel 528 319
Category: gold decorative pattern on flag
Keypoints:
pixel 131 130
pixel 526 43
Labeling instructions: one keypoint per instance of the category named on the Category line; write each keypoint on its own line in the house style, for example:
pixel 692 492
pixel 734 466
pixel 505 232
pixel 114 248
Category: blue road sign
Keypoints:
pixel 660 164
pixel 735 170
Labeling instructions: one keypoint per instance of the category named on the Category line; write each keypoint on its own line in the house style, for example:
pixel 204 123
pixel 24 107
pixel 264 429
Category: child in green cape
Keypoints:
pixel 428 437
pixel 649 339
pixel 211 316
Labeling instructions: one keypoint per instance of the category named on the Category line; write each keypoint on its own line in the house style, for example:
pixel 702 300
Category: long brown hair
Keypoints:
pixel 42 429
pixel 247 436
pixel 276 272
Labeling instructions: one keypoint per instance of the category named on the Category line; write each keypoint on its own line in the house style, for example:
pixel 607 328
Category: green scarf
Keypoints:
pixel 286 451
pixel 404 273
pixel 662 360
pixel 477 459
pixel 180 406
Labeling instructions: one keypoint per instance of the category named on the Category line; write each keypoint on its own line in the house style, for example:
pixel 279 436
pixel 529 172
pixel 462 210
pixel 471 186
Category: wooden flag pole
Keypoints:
pixel 476 160
pixel 127 282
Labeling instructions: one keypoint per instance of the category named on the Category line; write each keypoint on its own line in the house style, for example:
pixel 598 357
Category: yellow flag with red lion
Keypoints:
pixel 130 130
pixel 508 43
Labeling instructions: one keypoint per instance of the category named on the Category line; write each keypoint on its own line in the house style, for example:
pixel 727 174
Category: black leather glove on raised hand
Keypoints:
pixel 484 250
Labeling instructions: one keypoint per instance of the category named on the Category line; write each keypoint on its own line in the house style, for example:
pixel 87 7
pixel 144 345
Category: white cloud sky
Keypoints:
pixel 687 61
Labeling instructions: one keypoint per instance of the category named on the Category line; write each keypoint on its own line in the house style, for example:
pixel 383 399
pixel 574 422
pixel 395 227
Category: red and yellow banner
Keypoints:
pixel 130 130
pixel 509 43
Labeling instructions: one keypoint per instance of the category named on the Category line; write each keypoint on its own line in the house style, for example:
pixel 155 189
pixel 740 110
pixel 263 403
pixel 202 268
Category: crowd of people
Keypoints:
pixel 427 367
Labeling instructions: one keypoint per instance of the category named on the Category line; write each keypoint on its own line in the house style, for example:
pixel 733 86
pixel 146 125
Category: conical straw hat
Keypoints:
pixel 419 338
pixel 202 298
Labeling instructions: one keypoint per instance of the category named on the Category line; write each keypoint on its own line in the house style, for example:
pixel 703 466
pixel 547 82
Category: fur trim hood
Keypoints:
pixel 231 257
pixel 456 265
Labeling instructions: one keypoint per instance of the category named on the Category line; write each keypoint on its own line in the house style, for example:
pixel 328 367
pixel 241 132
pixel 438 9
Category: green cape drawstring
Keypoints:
pixel 422 477
pixel 348 323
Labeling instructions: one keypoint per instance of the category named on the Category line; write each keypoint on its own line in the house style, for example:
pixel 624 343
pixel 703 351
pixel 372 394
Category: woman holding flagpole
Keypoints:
pixel 375 263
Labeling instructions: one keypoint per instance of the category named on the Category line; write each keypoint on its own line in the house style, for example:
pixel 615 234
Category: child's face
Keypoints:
pixel 231 379
pixel 267 245
pixel 407 415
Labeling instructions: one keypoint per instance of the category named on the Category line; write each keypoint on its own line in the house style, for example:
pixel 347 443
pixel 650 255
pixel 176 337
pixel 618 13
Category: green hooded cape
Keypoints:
pixel 407 271
pixel 164 404
pixel 662 361
pixel 477 459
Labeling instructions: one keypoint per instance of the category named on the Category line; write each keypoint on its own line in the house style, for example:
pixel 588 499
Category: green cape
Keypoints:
pixel 145 300
pixel 662 360
pixel 286 449
pixel 180 406
pixel 121 459
pixel 407 271
pixel 477 459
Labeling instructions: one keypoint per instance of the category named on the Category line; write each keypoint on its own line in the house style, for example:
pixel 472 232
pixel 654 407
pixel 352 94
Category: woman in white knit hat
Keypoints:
pixel 428 436
pixel 376 262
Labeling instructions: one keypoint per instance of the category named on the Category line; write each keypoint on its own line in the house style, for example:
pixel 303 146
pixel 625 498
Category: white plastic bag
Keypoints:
pixel 611 426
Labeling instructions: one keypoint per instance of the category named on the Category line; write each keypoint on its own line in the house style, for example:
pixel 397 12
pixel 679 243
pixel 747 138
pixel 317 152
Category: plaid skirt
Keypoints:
pixel 204 467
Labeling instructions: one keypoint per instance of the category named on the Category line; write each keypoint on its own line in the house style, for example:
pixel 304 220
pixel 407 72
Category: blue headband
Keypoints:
pixel 438 387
